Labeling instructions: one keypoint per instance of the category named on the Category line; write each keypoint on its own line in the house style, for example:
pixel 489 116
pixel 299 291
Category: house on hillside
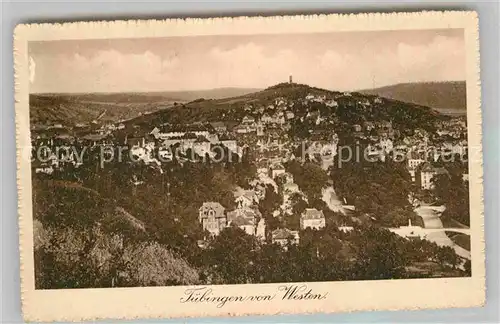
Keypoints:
pixel 246 199
pixel 386 145
pixel 282 236
pixel 248 120
pixel 387 124
pixel 266 118
pixel 155 132
pixel 259 127
pixel 414 160
pixel 244 218
pixel 244 128
pixel 243 223
pixel 276 169
pixel 289 189
pixel 345 229
pixel 427 173
pixel 289 115
pixel 312 218
pixel 212 217
pixel 331 103
pixel 174 131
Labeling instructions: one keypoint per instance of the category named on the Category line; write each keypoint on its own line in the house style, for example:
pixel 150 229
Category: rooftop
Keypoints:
pixel 283 234
pixel 241 221
pixel 212 205
pixel 312 213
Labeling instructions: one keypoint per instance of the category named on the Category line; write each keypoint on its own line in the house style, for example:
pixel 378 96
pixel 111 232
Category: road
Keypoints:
pixel 431 217
pixel 332 201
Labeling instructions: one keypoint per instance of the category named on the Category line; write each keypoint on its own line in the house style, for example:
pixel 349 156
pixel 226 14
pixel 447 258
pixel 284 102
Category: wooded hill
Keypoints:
pixel 352 109
pixel 72 108
pixel 442 96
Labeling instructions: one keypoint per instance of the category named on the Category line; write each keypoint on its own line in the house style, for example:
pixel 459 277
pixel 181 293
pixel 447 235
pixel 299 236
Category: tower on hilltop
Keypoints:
pixel 290 80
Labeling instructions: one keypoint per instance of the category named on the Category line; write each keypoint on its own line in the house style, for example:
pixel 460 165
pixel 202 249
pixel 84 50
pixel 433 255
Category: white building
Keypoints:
pixel 158 134
pixel 244 218
pixel 345 229
pixel 283 235
pixel 386 145
pixel 414 162
pixel 261 229
pixel 212 217
pixel 331 103
pixel 289 188
pixel 276 170
pixel 248 120
pixel 428 173
pixel 409 231
pixel 312 218
pixel 246 199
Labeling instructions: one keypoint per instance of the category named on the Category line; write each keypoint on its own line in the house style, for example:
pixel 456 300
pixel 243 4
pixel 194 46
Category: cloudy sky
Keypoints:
pixel 336 61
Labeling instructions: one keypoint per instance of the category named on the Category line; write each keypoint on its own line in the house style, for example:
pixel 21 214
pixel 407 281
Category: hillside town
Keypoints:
pixel 275 140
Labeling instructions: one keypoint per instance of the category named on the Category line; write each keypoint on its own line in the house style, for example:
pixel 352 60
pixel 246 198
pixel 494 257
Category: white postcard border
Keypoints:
pixel 165 302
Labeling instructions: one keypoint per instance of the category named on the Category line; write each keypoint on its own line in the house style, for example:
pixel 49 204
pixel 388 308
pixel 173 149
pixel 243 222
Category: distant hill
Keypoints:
pixel 350 110
pixel 73 108
pixel 442 96
pixel 218 93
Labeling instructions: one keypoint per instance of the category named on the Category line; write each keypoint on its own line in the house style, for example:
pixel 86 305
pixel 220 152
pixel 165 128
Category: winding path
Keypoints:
pixel 433 226
pixel 332 201
pixel 431 217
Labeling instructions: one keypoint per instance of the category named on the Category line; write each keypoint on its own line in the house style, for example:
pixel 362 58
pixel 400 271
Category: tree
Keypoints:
pixel 378 254
pixel 446 256
pixel 298 206
pixel 231 256
pixel 271 202
pixel 310 178
pixel 454 194
pixel 151 264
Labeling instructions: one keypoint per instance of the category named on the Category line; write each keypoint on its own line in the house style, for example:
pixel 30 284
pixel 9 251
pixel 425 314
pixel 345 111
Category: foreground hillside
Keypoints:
pixel 85 240
pixel 438 95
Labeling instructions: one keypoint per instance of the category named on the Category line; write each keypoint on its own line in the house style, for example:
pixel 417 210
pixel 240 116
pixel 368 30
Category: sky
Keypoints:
pixel 340 61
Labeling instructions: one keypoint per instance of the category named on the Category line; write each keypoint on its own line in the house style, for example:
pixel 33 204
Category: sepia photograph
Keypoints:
pixel 283 158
